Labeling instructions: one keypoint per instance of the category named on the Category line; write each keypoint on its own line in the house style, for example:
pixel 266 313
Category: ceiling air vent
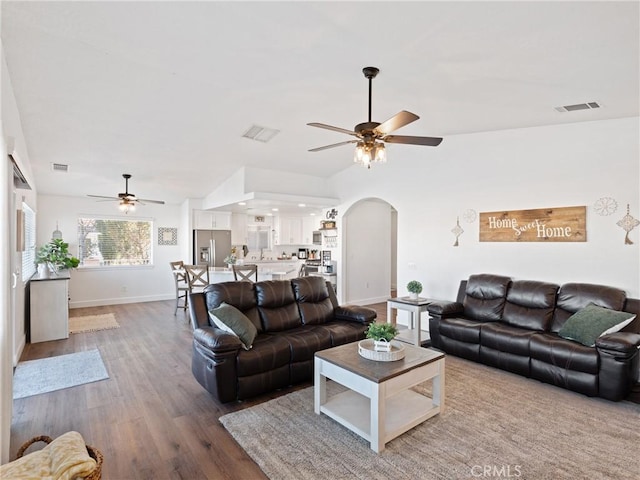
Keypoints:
pixel 578 106
pixel 59 167
pixel 260 134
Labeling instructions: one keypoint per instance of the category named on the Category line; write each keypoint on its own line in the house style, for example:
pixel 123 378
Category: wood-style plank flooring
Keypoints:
pixel 150 419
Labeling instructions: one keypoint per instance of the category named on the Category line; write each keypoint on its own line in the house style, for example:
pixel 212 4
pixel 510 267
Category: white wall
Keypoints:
pixel 109 286
pixel 552 166
pixel 367 252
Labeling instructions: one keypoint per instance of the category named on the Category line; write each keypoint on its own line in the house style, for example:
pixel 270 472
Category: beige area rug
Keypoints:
pixel 495 425
pixel 92 323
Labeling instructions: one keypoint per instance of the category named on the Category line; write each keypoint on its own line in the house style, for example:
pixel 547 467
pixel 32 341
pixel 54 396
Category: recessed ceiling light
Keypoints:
pixel 274 209
pixel 312 214
pixel 242 203
pixel 269 214
pixel 302 204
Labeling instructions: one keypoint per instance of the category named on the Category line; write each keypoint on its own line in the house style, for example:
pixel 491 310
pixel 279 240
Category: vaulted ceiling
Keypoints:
pixel 165 90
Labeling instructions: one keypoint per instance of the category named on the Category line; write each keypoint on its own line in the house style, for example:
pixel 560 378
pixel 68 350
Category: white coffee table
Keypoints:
pixel 379 404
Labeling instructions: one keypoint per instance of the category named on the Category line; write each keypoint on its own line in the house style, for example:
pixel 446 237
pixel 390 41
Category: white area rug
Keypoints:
pixel 34 377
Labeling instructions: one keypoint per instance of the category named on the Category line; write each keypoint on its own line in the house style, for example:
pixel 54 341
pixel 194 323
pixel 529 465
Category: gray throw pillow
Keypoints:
pixel 586 325
pixel 230 319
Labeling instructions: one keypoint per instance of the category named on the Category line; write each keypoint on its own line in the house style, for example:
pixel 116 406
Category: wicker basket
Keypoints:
pixel 366 350
pixel 94 453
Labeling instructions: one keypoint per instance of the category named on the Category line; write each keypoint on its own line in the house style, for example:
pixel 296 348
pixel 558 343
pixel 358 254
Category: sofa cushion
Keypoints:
pixel 268 353
pixel 485 296
pixel 228 318
pixel 461 329
pixel 277 305
pixel 345 332
pixel 551 349
pixel 312 296
pixel 530 304
pixel 505 338
pixel 305 341
pixel 575 296
pixel 239 294
pixel 586 325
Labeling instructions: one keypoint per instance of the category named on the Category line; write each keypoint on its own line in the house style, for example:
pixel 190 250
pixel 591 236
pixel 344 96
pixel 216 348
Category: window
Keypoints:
pixel 110 242
pixel 29 253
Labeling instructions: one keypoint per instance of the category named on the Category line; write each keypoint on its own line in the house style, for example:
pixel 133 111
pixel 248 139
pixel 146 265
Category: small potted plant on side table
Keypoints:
pixel 415 288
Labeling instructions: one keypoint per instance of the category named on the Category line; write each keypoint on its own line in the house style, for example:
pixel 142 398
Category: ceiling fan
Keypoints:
pixel 127 200
pixel 373 135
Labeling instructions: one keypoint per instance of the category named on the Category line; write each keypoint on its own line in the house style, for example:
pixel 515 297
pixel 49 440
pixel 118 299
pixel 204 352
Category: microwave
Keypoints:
pixel 317 238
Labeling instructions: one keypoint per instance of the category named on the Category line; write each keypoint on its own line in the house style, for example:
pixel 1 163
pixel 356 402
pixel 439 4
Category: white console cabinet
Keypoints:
pixel 49 302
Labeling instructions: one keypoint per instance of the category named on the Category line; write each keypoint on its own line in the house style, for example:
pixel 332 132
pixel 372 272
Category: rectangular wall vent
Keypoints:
pixel 578 106
pixel 260 134
pixel 59 167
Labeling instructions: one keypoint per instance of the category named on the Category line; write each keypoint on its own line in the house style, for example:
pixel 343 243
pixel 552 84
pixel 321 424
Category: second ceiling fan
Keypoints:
pixel 371 136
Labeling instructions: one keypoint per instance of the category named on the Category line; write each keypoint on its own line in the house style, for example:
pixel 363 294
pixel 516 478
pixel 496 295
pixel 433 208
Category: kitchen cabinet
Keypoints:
pixel 309 225
pixel 49 307
pixel 239 229
pixel 295 230
pixel 210 220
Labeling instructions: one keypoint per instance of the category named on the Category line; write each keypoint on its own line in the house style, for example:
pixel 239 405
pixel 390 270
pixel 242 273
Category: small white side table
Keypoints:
pixel 415 309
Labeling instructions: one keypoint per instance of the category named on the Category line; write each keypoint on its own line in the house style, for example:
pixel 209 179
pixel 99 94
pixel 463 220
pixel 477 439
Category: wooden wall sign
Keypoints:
pixel 563 224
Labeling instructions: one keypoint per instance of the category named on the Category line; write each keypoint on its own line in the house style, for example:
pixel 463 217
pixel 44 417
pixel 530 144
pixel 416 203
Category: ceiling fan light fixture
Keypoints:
pixel 126 206
pixel 370 152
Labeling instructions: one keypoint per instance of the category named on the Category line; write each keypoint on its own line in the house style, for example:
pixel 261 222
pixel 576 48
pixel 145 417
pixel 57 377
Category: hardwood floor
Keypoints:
pixel 150 419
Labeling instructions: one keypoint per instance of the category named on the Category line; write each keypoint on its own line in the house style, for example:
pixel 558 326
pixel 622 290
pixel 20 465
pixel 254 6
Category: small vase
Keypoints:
pixel 413 295
pixel 43 270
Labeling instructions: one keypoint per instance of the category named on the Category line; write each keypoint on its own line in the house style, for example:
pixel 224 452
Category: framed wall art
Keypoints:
pixel 167 236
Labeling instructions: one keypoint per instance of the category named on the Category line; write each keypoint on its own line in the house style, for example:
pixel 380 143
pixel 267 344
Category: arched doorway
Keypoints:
pixel 369 253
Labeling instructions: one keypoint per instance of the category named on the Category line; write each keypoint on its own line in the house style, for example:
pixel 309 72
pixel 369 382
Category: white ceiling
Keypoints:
pixel 165 90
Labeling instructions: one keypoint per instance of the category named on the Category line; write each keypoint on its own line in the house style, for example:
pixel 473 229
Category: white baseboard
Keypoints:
pixel 100 302
pixel 367 301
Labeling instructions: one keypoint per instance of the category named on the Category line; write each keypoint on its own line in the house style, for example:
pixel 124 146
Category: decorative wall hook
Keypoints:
pixel 457 231
pixel 628 223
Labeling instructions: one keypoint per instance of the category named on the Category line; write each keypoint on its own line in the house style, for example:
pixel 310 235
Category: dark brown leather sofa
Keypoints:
pixel 513 325
pixel 294 318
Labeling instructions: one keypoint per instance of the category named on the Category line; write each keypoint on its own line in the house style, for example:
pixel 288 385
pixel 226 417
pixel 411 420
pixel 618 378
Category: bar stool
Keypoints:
pixel 197 277
pixel 182 285
pixel 245 272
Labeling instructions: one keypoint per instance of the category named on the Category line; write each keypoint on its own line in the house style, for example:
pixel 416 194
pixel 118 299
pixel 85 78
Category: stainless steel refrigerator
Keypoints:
pixel 210 247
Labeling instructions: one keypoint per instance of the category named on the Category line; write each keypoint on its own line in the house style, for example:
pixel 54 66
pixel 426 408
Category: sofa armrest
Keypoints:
pixel 216 340
pixel 617 343
pixel 355 313
pixel 443 308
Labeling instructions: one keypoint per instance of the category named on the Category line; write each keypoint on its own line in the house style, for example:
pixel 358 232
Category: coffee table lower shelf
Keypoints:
pixel 404 411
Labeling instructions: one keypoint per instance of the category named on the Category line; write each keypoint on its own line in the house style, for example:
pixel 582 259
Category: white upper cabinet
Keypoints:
pixel 210 220
pixel 239 229
pixel 294 230
pixel 309 224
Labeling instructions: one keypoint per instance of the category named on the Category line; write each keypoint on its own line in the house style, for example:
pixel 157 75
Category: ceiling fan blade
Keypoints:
pixel 332 145
pixel 101 196
pixel 144 200
pixel 335 129
pixel 397 121
pixel 428 141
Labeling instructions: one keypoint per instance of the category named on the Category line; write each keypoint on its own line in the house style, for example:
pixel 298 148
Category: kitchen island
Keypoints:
pixel 267 270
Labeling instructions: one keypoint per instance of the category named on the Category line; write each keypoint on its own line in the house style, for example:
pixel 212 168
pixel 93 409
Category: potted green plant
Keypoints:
pixel 415 288
pixel 56 256
pixel 382 334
